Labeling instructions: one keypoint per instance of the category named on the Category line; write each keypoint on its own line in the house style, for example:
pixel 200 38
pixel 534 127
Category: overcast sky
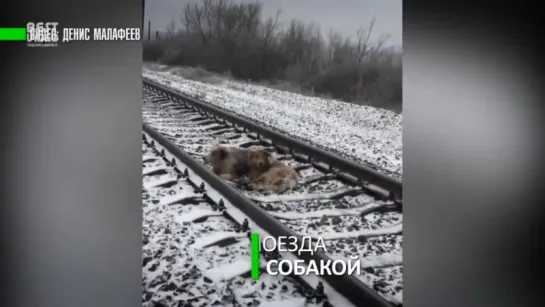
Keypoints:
pixel 344 16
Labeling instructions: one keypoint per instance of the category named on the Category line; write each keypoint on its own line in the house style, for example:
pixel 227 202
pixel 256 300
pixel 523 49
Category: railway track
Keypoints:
pixel 354 215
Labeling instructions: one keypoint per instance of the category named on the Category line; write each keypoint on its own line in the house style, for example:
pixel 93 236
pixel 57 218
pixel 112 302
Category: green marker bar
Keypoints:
pixel 12 34
pixel 255 255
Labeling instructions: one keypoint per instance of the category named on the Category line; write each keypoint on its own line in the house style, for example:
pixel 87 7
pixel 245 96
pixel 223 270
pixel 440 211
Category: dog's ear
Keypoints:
pixel 222 152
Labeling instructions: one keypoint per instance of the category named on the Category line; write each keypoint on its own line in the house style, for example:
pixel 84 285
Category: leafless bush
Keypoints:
pixel 225 36
pixel 153 51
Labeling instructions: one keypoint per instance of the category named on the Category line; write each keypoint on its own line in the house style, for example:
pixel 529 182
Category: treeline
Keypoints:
pixel 226 36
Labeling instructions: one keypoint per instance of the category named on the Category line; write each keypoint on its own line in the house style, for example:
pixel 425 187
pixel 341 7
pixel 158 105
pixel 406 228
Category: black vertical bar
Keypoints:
pixel 149 30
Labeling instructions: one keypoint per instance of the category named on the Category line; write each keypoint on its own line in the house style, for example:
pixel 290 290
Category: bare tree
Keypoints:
pixel 363 40
pixel 227 35
pixel 170 30
pixel 269 32
pixel 193 19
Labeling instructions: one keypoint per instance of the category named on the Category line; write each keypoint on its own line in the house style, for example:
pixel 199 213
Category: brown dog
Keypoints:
pixel 228 162
pixel 270 174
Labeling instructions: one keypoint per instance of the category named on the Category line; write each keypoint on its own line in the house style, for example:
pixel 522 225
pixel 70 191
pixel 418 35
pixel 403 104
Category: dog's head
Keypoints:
pixel 260 159
pixel 216 155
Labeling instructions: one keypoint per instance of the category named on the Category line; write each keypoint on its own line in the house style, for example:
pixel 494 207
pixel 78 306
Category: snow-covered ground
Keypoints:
pixel 368 135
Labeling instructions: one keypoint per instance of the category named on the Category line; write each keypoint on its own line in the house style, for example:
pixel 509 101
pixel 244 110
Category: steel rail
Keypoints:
pixel 361 172
pixel 348 286
pixel 242 224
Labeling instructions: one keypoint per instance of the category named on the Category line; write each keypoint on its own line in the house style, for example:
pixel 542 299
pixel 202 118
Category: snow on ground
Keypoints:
pixel 368 135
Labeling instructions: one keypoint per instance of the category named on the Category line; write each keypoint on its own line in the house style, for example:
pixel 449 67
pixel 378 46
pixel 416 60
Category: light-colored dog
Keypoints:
pixel 267 173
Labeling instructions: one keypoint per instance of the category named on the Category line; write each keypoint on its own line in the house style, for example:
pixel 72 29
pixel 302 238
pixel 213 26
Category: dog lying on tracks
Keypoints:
pixel 228 162
pixel 267 173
